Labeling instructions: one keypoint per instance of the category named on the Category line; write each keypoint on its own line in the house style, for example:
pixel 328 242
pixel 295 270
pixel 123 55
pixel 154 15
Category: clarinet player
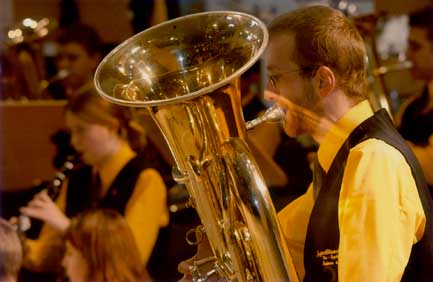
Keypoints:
pixel 119 174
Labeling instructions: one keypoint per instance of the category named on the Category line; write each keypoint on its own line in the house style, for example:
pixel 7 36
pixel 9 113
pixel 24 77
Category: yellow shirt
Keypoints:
pixel 379 211
pixel 145 212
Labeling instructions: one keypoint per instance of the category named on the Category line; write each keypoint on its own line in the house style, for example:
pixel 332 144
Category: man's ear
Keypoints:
pixel 325 80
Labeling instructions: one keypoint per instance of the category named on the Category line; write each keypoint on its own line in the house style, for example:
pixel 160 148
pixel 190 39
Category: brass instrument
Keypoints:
pixel 376 70
pixel 23 61
pixel 186 73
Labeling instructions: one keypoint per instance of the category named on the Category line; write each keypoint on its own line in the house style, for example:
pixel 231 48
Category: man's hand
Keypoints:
pixel 204 252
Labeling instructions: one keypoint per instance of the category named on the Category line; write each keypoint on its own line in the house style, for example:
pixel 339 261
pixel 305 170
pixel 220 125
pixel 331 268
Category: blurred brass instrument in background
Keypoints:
pixel 379 92
pixel 186 73
pixel 378 70
pixel 22 60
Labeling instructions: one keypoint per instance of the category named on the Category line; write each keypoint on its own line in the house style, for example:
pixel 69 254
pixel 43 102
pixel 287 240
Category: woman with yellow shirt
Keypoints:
pixel 114 177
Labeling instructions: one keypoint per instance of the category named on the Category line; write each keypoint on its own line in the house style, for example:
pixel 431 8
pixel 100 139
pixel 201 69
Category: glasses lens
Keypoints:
pixel 272 81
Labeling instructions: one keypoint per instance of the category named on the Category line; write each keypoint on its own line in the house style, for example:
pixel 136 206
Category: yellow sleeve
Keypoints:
pixel 45 253
pixel 146 211
pixel 294 220
pixel 380 214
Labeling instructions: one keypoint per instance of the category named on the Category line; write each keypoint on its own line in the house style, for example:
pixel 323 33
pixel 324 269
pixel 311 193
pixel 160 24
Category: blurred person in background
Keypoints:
pixel 415 117
pixel 11 253
pixel 100 247
pixel 79 53
pixel 119 172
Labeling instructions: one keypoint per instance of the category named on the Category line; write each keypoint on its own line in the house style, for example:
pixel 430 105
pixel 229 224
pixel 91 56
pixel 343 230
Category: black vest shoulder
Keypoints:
pixel 82 196
pixel 321 248
pixel 123 185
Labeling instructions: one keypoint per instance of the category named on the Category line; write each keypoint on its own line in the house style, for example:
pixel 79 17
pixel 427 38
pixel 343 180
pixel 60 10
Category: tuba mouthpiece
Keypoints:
pixel 273 114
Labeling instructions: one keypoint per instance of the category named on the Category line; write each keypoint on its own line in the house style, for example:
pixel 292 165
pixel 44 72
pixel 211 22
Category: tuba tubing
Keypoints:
pixel 186 73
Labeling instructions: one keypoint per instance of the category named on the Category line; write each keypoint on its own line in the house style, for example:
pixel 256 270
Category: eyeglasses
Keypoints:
pixel 273 78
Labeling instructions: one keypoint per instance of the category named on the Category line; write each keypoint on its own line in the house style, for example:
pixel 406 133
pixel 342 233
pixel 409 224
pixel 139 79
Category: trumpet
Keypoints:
pixel 60 75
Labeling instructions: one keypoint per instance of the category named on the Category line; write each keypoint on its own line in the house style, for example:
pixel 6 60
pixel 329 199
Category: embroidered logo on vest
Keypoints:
pixel 328 257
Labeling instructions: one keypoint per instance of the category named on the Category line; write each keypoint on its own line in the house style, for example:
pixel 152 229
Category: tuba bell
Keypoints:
pixel 186 73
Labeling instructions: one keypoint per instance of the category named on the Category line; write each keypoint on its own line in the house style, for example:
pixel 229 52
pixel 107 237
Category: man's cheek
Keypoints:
pixel 290 124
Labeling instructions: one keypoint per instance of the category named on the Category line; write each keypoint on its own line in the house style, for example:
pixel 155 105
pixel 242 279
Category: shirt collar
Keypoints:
pixel 112 166
pixel 340 131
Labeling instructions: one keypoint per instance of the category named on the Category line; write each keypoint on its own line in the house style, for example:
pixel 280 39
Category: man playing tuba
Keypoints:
pixel 368 212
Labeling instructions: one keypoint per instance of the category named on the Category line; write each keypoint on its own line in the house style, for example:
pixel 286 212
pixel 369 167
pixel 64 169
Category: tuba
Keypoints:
pixel 186 73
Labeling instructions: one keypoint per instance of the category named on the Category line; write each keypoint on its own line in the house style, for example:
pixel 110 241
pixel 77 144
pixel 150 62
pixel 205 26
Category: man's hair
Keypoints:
pixel 325 37
pixel 11 253
pixel 81 34
pixel 423 18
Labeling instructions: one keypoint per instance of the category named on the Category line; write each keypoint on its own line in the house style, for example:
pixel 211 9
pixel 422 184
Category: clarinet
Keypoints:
pixel 53 189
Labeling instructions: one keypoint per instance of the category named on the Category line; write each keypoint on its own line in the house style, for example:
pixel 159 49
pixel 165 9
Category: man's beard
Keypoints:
pixel 306 115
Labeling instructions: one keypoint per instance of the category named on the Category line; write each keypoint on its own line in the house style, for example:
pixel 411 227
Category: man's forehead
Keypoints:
pixel 281 44
pixel 71 46
pixel 282 37
pixel 279 53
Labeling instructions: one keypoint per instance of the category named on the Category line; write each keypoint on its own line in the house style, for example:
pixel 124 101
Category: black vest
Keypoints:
pixel 322 241
pixel 81 195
